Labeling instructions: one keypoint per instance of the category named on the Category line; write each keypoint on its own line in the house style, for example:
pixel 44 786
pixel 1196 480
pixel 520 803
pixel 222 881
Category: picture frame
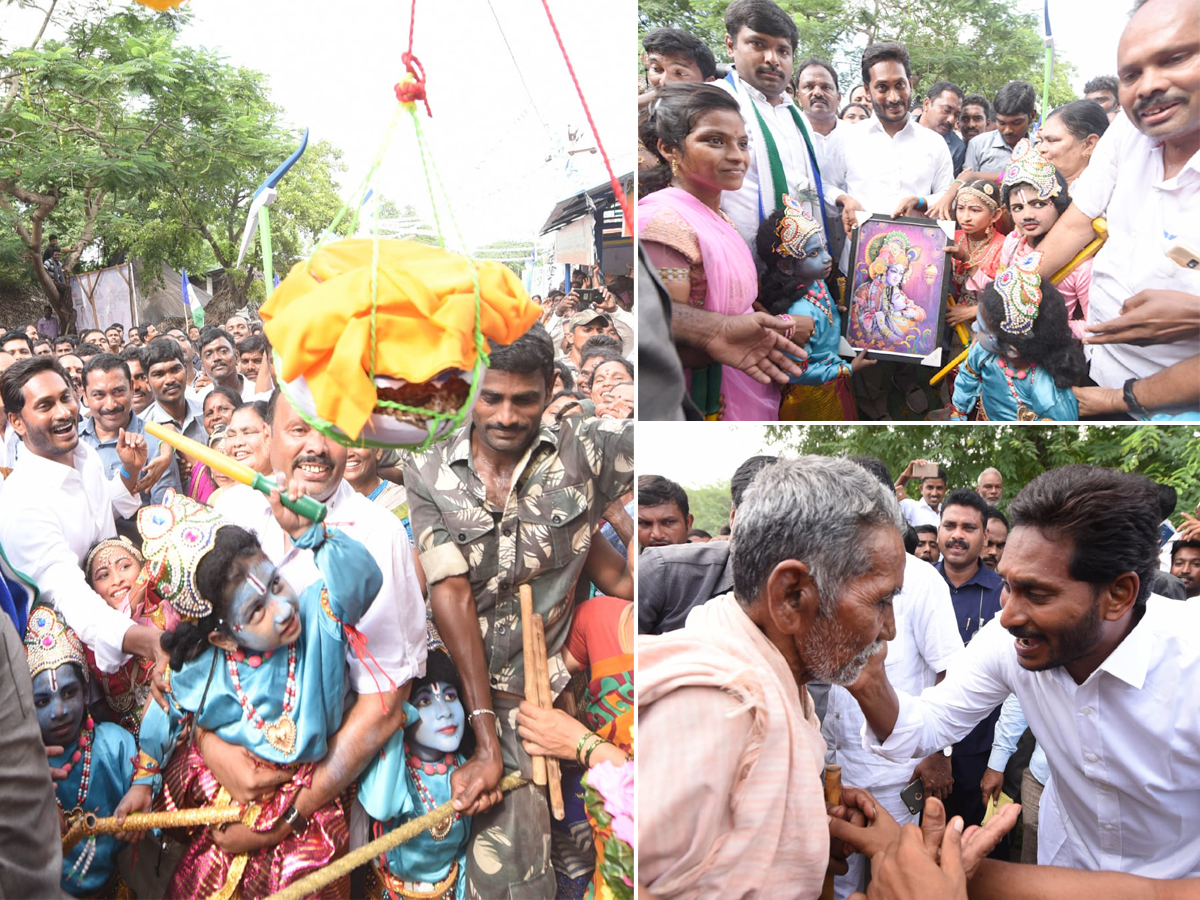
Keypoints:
pixel 892 319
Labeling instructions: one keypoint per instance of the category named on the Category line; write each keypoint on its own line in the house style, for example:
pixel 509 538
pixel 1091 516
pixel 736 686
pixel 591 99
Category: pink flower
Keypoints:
pixel 615 785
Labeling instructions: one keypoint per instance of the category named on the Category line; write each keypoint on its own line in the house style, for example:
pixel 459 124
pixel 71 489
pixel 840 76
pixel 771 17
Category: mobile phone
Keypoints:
pixel 1185 256
pixel 925 470
pixel 914 797
pixel 588 297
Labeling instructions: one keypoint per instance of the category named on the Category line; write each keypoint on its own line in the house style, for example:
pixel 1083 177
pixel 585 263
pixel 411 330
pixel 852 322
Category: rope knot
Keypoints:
pixel 411 86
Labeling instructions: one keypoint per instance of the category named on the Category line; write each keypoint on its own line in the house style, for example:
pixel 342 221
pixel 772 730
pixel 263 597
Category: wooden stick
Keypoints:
pixel 529 654
pixel 833 794
pixel 553 769
pixel 88 824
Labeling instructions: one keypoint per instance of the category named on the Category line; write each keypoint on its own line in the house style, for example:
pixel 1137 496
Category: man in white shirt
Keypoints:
pixel 1144 178
pixel 926 639
pixel 219 358
pixel 761 38
pixel 889 165
pixel 57 503
pixel 1106 673
pixel 927 510
pixel 9 439
pixel 394 626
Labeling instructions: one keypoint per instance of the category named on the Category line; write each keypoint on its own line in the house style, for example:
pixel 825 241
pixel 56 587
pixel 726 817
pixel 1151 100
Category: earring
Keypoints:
pixel 1087 154
pixel 675 167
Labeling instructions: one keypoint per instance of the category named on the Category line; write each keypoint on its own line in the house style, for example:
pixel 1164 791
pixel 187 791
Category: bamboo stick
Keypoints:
pixel 553 768
pixel 833 795
pixel 529 652
pixel 88 824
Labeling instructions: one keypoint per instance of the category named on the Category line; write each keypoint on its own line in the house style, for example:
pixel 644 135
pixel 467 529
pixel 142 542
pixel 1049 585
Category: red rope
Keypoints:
pixel 413 91
pixel 616 185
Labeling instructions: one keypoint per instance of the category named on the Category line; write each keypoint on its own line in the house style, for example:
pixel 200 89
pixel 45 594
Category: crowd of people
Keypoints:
pixel 951 652
pixel 190 642
pixel 755 179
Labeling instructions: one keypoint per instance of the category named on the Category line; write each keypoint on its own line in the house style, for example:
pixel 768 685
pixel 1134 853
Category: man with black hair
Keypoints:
pixel 927 510
pixel 663 517
pixel 1185 565
pixel 1015 110
pixel 115 335
pixel 504 502
pixel 43 347
pixel 219 358
pixel 48 325
pixel 996 537
pixel 17 343
pixel 596 348
pixel 252 355
pixel 673 579
pixel 141 397
pixel 1105 673
pixel 940 112
pixel 673 55
pixel 761 39
pixel 698 536
pixel 64 344
pixel 927 544
pixel 162 361
pixel 977 117
pixel 889 164
pixel 819 96
pixel 1103 89
pixel 58 502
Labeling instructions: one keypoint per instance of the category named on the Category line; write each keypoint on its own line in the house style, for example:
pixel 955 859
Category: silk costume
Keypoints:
pixel 981 380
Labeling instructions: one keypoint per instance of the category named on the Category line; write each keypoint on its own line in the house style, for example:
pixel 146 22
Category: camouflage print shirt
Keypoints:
pixel 539 537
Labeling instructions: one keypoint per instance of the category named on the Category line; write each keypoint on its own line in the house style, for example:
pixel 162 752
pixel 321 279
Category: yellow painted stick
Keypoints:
pixel 88 824
pixel 309 507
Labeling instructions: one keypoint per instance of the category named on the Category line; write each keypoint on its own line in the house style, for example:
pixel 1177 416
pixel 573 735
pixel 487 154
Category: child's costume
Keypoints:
pixel 281 705
pixel 99 764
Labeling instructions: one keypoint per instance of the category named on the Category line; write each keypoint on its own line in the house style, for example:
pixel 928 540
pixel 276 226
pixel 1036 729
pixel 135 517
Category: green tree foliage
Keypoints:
pixel 1170 455
pixel 709 507
pixel 120 137
pixel 978 44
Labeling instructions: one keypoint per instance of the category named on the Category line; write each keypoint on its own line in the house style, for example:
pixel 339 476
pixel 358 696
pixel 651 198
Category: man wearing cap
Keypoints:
pixel 580 327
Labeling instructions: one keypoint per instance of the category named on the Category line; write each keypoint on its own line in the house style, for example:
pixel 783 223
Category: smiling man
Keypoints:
pixel 1185 565
pixel 162 361
pixel 761 40
pixel 219 358
pixel 504 502
pixel 1105 672
pixel 940 111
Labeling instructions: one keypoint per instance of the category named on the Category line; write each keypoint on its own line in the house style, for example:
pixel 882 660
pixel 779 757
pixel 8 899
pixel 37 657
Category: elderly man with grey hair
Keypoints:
pixel 731 748
pixel 990 485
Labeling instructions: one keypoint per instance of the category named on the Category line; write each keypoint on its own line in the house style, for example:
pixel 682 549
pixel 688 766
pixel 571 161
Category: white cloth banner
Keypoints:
pixel 103 297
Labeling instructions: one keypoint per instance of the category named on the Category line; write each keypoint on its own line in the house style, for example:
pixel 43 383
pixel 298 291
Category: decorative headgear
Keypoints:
pixel 795 228
pixel 1020 288
pixel 890 249
pixel 985 191
pixel 105 550
pixel 1027 166
pixel 176 535
pixel 49 643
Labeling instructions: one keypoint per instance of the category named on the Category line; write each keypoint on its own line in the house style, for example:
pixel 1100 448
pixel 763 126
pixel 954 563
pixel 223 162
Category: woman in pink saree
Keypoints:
pixel 698 135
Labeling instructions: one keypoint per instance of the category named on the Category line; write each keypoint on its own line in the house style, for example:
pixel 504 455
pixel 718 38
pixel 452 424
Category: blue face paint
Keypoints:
pixel 440 729
pixel 987 340
pixel 816 262
pixel 264 612
pixel 59 699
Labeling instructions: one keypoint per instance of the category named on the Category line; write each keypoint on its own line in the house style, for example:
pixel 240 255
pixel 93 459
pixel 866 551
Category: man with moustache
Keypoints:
pixel 219 359
pixel 977 117
pixel 106 385
pixel 1144 178
pixel 889 164
pixel 139 385
pixel 975 593
pixel 927 510
pixel 761 39
pixel 505 501
pixel 663 518
pixel 394 625
pixel 996 538
pixel 927 543
pixel 1105 672
pixel 1185 565
pixel 939 112
pixel 990 485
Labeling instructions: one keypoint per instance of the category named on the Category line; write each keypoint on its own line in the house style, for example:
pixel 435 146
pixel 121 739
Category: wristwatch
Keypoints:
pixel 1131 402
pixel 295 820
pixel 946 751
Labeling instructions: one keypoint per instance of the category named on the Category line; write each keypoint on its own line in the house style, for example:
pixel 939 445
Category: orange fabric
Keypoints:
pixel 319 320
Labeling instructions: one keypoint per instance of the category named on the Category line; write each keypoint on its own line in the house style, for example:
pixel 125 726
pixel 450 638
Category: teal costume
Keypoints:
pixel 388 792
pixel 351 579
pixel 823 364
pixel 111 773
pixel 981 379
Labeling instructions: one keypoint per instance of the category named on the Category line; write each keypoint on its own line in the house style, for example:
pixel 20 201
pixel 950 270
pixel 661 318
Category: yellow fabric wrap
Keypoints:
pixel 319 320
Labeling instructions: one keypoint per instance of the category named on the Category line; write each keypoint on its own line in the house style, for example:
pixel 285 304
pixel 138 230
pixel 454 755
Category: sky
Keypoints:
pixel 332 67
pixel 670 449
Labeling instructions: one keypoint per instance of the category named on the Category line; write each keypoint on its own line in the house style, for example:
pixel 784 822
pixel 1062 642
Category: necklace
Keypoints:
pixel 1023 412
pixel 816 297
pixel 415 767
pixel 85 753
pixel 977 250
pixel 280 734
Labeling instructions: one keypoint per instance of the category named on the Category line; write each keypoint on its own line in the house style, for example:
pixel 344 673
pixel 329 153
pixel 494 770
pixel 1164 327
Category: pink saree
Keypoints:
pixel 732 287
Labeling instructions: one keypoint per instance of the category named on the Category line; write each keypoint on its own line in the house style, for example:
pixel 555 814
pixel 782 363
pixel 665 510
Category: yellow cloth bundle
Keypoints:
pixel 319 320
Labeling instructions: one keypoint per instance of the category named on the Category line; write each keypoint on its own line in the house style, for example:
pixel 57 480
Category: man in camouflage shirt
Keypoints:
pixel 501 503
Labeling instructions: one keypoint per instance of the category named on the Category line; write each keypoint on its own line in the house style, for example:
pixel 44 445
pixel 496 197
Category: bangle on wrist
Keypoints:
pixel 587 761
pixel 580 753
pixel 481 712
pixel 1131 402
pixel 295 821
pixel 921 204
pixel 124 474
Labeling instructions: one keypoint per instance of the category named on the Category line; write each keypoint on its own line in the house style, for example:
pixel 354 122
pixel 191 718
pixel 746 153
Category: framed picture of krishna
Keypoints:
pixel 896 288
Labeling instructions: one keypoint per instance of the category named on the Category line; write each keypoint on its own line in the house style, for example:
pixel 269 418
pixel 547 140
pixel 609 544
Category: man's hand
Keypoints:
pixel 1099 401
pixel 153 471
pixel 934 772
pixel 849 207
pixel 548 732
pixel 959 314
pixel 944 208
pixel 858 808
pixel 861 362
pixel 202 381
pixel 977 842
pixel 906 207
pixel 138 799
pixel 991 785
pixel 475 785
pixel 239 771
pixel 131 448
pixel 57 773
pixel 905 871
pixel 754 343
pixel 291 522
pixel 236 838
pixel 1150 317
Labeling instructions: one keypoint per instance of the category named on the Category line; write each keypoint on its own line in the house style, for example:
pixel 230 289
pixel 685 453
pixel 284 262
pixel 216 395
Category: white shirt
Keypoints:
pixel 744 206
pixel 1123 747
pixel 53 514
pixel 918 512
pixel 248 393
pixel 879 171
pixel 1146 216
pixel 926 639
pixel 9 447
pixel 395 622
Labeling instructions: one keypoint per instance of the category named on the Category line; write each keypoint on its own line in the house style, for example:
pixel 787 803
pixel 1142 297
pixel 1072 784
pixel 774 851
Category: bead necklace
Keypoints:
pixel 822 294
pixel 415 767
pixel 280 734
pixel 84 752
pixel 1023 412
